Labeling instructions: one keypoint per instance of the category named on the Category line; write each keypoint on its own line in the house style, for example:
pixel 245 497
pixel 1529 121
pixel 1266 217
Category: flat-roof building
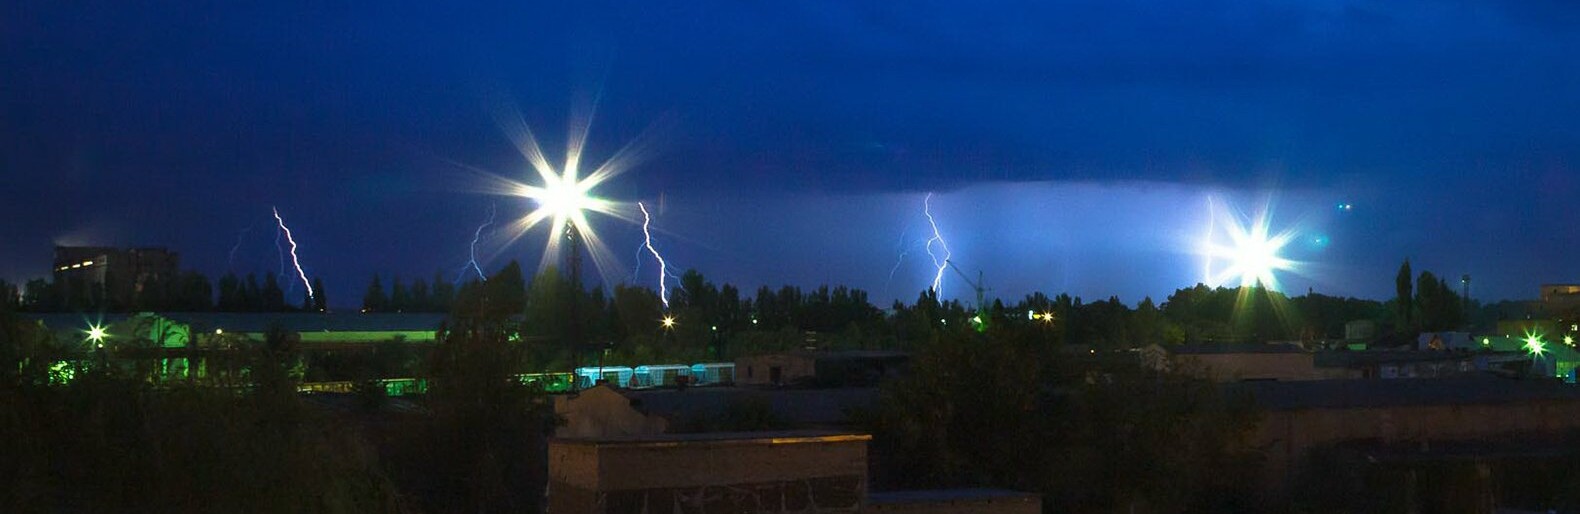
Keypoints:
pixel 89 274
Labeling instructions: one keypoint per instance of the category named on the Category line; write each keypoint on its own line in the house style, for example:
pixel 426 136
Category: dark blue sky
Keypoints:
pixel 1073 144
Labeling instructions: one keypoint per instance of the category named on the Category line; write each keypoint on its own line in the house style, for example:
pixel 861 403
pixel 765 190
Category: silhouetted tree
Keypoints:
pixel 487 429
pixel 1404 301
pixel 419 301
pixel 273 296
pixel 400 299
pixel 442 295
pixel 252 294
pixel 374 299
pixel 1440 307
pixel 231 295
pixel 320 300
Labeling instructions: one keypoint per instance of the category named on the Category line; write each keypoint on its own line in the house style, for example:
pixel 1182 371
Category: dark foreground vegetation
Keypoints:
pixel 1024 396
pixel 98 436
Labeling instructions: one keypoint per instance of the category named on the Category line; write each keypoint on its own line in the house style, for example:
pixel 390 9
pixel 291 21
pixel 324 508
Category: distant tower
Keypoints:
pixel 1464 295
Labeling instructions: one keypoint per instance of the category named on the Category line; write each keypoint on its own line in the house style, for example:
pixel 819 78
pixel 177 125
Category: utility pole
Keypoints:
pixel 982 313
pixel 573 295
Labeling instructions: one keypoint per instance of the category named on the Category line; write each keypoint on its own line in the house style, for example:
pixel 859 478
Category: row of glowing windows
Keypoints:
pixel 82 264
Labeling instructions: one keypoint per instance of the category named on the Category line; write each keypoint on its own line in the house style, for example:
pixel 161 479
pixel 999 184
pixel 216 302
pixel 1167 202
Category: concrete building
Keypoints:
pixel 762 472
pixel 718 472
pixel 820 368
pixel 1560 297
pixel 1406 364
pixel 954 501
pixel 1416 414
pixel 1236 362
pixel 86 272
pixel 605 411
pixel 1360 331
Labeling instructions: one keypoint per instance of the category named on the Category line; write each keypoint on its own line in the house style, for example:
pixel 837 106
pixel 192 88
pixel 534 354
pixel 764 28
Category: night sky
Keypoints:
pixel 1072 146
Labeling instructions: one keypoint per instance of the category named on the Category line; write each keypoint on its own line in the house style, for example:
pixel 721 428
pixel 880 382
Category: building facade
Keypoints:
pixel 93 274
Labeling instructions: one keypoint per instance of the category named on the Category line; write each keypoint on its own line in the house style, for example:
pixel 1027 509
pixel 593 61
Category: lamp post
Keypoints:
pixel 573 269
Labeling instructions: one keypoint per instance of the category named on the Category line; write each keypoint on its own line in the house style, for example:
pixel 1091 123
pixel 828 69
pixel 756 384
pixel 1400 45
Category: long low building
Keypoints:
pixel 764 472
pixel 186 329
pixel 1422 414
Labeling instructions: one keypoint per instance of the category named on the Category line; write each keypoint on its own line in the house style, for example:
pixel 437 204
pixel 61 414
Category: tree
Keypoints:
pixel 442 295
pixel 320 303
pixel 1131 439
pixel 273 297
pixel 1439 306
pixel 252 295
pixel 1404 306
pixel 374 300
pixel 10 297
pixel 487 427
pixel 40 295
pixel 196 295
pixel 419 301
pixel 231 295
pixel 400 299
pixel 547 311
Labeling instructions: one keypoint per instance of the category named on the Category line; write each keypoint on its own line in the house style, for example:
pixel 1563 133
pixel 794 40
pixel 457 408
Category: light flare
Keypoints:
pixel 96 333
pixel 1534 344
pixel 294 260
pixel 565 195
pixel 1251 252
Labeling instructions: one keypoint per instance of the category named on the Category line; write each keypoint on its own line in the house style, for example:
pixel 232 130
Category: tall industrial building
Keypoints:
pixel 88 274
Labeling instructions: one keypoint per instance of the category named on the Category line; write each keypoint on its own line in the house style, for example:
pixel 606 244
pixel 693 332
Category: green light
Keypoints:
pixel 96 334
pixel 61 373
pixel 1534 344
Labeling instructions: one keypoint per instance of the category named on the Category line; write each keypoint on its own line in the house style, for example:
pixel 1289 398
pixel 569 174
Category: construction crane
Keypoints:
pixel 981 318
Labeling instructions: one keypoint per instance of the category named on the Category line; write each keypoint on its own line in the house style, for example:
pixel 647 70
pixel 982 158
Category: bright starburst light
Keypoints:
pixel 1534 344
pixel 565 195
pixel 96 333
pixel 1249 253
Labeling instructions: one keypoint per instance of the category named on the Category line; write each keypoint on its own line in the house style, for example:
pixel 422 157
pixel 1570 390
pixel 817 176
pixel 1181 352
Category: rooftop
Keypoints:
pixel 815 407
pixel 1221 348
pixel 945 495
pixel 1350 394
pixel 770 437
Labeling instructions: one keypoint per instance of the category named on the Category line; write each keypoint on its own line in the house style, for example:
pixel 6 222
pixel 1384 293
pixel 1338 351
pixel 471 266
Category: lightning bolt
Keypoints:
pixel 905 249
pixel 492 210
pixel 294 261
pixel 663 268
pixel 230 262
pixel 941 263
pixel 280 250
